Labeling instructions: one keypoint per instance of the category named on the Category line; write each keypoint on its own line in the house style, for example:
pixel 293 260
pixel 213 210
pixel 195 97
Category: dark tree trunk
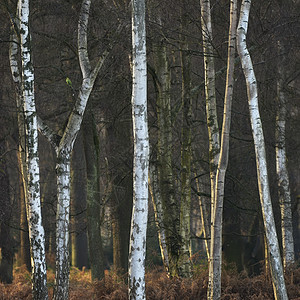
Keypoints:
pixel 94 203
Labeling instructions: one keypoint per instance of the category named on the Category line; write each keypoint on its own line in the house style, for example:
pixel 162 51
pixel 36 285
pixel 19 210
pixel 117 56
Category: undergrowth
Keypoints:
pixel 235 286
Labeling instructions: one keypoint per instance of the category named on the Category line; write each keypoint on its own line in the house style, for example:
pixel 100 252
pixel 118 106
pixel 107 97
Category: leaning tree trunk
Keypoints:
pixel 214 287
pixel 137 247
pixel 33 205
pixel 261 163
pixel 281 164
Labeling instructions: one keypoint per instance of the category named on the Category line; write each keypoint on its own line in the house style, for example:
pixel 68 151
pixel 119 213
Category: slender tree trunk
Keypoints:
pixel 261 163
pixel 210 95
pixel 16 75
pixel 281 165
pixel 34 217
pixel 137 248
pixel 214 287
pixel 79 216
pixel 185 264
pixel 205 218
pixel 91 148
pixel 164 148
pixel 158 213
pixel 120 182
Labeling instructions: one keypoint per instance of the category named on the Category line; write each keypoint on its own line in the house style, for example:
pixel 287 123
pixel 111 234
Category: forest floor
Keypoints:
pixel 158 286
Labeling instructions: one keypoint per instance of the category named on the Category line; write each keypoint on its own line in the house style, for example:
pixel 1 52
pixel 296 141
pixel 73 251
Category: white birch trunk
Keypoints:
pixel 281 166
pixel 62 226
pixel 64 147
pixel 215 262
pixel 33 205
pixel 137 246
pixel 261 163
pixel 210 95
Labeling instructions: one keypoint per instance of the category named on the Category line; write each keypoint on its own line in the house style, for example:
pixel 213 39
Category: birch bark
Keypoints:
pixel 214 287
pixel 261 163
pixel 137 246
pixel 64 147
pixel 33 203
pixel 16 75
pixel 281 164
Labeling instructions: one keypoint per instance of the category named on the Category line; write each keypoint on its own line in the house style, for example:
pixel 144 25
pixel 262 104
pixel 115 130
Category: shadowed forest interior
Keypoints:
pixel 187 61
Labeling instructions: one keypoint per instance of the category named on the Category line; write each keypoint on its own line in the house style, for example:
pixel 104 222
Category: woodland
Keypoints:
pixel 149 149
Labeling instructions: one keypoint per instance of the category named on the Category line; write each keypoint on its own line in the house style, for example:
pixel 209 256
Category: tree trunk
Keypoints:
pixel 34 217
pixel 16 75
pixel 185 264
pixel 137 248
pixel 170 209
pixel 24 256
pixel 158 213
pixel 205 215
pixel 210 95
pixel 64 147
pixel 62 226
pixel 261 163
pixel 215 262
pixel 94 209
pixel 284 193
pixel 79 218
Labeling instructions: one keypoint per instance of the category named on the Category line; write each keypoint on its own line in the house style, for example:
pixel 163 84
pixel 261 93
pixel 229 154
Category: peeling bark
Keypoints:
pixel 137 247
pixel 261 163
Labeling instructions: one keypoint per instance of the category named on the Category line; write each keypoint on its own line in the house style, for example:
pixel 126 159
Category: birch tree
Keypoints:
pixel 33 203
pixel 64 146
pixel 210 95
pixel 261 163
pixel 137 246
pixel 281 163
pixel 16 76
pixel 215 262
